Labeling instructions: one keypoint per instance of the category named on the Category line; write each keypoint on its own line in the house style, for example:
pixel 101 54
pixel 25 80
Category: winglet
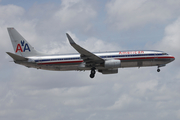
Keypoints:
pixel 70 39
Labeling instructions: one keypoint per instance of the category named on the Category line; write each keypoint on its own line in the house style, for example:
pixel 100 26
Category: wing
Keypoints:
pixel 87 56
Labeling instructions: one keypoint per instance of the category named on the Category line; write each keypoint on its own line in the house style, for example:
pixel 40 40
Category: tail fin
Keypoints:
pixel 20 45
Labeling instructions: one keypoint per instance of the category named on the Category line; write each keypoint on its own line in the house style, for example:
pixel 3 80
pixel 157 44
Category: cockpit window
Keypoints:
pixel 164 53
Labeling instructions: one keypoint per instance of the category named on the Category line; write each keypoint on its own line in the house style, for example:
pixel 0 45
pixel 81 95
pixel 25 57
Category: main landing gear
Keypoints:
pixel 93 72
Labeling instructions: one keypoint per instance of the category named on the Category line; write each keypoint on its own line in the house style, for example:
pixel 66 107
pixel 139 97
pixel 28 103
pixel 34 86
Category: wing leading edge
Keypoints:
pixel 87 56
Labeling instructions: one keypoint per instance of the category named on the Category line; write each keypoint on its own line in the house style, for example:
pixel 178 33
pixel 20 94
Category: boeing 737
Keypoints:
pixel 103 62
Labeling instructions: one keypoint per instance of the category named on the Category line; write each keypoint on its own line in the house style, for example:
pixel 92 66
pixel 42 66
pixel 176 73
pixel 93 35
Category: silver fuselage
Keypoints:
pixel 74 62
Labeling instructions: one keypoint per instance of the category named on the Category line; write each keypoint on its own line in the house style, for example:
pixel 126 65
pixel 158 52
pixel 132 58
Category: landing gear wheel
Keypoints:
pixel 93 72
pixel 92 75
pixel 158 70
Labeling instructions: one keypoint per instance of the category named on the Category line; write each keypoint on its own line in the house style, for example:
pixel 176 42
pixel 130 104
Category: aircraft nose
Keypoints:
pixel 172 58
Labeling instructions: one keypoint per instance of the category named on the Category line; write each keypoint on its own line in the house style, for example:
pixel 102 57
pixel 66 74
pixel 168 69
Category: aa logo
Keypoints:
pixel 23 45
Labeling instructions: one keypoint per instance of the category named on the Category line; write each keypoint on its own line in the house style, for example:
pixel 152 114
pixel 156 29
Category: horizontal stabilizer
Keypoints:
pixel 16 57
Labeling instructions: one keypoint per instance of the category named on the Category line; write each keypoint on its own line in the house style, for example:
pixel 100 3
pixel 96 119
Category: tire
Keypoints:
pixel 91 75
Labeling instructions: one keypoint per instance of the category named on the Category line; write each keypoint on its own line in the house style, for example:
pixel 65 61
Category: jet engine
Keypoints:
pixel 112 63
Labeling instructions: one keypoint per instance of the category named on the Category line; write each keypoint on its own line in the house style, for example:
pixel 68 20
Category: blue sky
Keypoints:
pixel 26 4
pixel 141 34
pixel 97 26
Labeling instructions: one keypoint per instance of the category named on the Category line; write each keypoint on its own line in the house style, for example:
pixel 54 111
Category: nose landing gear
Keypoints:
pixel 158 66
pixel 158 70
pixel 93 72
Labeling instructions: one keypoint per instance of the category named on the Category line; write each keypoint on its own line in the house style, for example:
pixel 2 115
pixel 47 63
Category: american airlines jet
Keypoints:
pixel 103 62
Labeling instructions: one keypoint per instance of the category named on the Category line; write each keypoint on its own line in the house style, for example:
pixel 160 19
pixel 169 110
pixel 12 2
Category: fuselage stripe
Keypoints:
pixel 80 61
pixel 106 56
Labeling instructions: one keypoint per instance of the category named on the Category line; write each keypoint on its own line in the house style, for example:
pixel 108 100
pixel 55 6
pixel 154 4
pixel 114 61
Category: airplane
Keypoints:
pixel 103 62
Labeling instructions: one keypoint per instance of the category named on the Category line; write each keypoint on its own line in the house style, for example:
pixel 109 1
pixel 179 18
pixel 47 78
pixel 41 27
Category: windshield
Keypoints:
pixel 164 53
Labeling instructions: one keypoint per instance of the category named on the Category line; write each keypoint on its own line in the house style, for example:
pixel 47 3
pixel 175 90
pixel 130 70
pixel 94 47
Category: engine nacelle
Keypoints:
pixel 112 63
pixel 109 71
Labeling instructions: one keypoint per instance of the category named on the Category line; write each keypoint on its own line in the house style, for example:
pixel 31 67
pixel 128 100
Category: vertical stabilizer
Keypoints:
pixel 20 45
